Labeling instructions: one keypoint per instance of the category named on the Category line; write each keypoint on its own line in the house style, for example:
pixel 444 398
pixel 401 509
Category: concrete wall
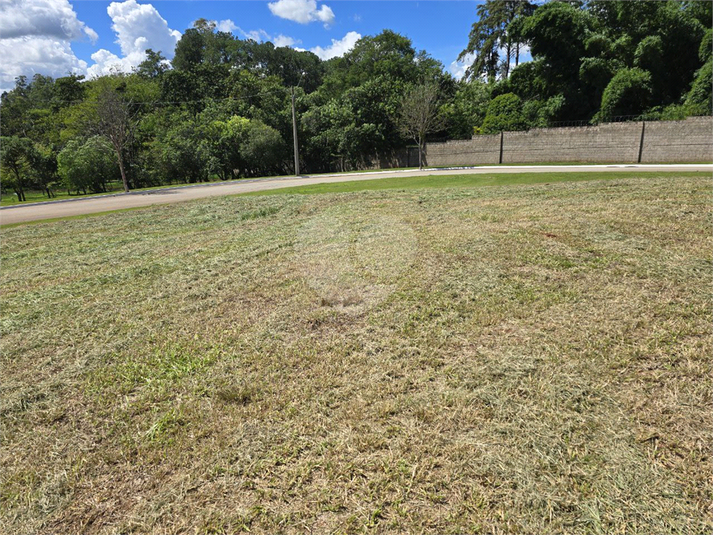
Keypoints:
pixel 690 140
pixel 481 150
pixel 607 143
pixel 678 141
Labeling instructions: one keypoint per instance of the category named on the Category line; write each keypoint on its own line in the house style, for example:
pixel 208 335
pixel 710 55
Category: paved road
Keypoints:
pixel 90 205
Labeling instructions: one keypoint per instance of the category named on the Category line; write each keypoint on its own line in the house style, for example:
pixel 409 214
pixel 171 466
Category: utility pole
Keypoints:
pixel 294 135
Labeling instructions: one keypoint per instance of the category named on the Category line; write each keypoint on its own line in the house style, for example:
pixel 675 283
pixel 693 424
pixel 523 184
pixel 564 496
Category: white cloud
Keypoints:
pixel 137 27
pixel 525 54
pixel 227 26
pixel 36 55
pixel 44 18
pixel 35 38
pixel 338 47
pixel 302 11
pixel 257 35
pixel 284 40
pixel 458 68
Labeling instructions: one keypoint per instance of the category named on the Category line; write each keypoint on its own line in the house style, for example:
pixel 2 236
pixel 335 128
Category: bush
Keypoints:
pixel 87 166
pixel 628 93
pixel 504 115
pixel 699 100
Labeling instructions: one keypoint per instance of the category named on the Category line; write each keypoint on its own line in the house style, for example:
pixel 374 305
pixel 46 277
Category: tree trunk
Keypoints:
pixel 517 54
pixel 123 173
pixel 20 192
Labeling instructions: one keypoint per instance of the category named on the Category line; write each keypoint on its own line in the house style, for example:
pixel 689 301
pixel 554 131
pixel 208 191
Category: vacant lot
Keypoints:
pixel 521 359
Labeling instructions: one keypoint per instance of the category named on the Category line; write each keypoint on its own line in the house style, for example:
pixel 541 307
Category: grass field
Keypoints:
pixel 469 181
pixel 529 358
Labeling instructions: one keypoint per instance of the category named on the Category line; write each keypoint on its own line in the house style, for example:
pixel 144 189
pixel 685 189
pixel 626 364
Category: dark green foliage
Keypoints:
pixel 466 112
pixel 201 46
pixel 579 47
pixel 699 100
pixel 89 166
pixel 504 114
pixel 628 93
pixel 705 51
pixel 16 154
pixel 557 32
pixel 498 32
pixel 542 114
pixel 153 66
pixel 43 163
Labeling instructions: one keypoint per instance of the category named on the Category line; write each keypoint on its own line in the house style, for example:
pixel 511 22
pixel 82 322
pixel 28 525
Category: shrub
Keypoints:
pixel 628 93
pixel 504 114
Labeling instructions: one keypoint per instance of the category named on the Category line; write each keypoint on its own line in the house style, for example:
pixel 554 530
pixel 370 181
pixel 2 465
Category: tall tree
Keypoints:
pixel 420 115
pixel 153 66
pixel 493 35
pixel 116 122
pixel 15 155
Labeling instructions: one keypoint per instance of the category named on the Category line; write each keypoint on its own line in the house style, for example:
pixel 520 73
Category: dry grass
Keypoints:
pixel 505 360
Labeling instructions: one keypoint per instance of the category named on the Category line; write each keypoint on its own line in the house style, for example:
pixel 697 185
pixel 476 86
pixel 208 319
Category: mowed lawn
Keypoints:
pixel 511 359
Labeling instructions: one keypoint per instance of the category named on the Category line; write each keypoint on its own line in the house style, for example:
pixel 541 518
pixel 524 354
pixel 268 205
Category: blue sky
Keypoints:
pixel 93 37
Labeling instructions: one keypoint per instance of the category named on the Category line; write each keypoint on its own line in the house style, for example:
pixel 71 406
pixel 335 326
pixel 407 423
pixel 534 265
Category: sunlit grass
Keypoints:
pixel 525 358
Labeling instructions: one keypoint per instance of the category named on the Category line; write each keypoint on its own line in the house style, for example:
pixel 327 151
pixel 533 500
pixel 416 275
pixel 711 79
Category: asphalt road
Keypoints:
pixel 91 205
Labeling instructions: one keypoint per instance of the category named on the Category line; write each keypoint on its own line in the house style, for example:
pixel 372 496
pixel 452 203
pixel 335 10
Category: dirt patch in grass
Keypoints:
pixel 516 359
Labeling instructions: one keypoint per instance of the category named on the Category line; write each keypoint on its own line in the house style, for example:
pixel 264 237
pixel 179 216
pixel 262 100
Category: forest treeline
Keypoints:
pixel 222 107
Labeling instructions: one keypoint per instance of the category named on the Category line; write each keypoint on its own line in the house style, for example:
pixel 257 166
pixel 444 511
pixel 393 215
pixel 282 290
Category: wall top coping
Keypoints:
pixel 608 126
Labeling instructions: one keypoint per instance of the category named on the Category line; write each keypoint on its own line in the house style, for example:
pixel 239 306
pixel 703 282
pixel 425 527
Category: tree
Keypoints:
pixel 87 166
pixel 420 115
pixel 190 50
pixel 43 162
pixel 628 93
pixel 504 115
pixel 15 155
pixel 493 34
pixel 699 100
pixel 466 111
pixel 153 66
pixel 68 90
pixel 116 122
pixel 263 149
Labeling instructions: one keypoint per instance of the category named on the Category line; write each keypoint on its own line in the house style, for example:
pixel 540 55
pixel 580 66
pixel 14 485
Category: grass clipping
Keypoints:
pixel 515 359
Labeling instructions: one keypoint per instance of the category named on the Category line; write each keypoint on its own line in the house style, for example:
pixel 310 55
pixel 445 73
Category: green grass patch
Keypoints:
pixel 465 181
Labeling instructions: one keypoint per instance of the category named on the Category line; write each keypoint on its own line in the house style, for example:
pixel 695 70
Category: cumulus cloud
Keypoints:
pixel 339 47
pixel 43 18
pixel 302 11
pixel 227 26
pixel 458 68
pixel 35 38
pixel 137 27
pixel 277 40
pixel 284 40
pixel 256 35
pixel 36 55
